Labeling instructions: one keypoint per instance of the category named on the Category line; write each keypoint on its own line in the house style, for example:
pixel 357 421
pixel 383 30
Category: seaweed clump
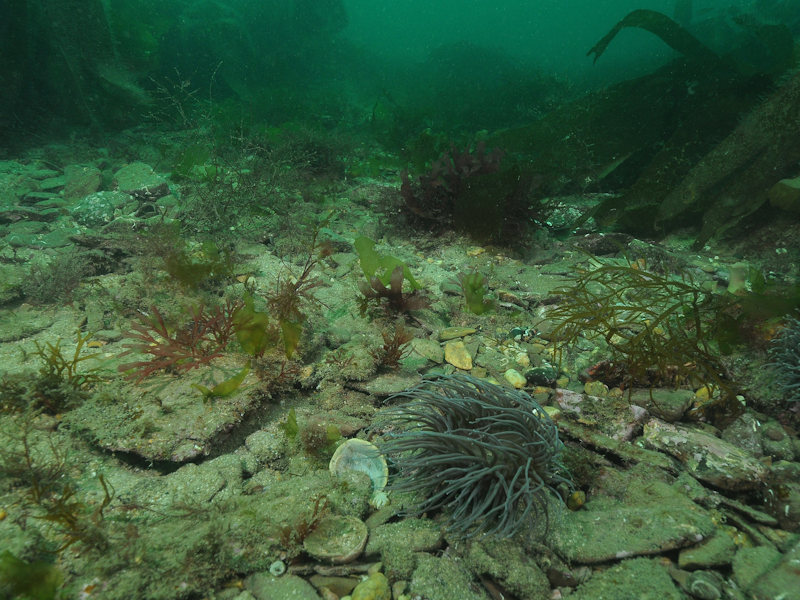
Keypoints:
pixel 381 270
pixel 489 454
pixel 784 356
pixel 60 385
pixel 42 469
pixel 395 347
pixel 471 190
pixel 203 338
pixel 660 329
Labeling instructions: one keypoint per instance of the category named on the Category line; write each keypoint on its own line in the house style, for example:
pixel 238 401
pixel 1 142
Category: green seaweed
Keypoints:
pixel 289 426
pixel 290 333
pixel 475 287
pixel 191 162
pixel 38 580
pixel 192 269
pixel 225 388
pixel 253 328
pixel 379 265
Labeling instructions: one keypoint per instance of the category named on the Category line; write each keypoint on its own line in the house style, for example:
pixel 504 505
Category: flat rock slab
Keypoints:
pixel 162 419
pixel 782 580
pixel 418 535
pixel 509 564
pixel 264 586
pixel 444 578
pixel 23 322
pixel 385 385
pixel 141 181
pixel 638 578
pixel 607 530
pixel 707 457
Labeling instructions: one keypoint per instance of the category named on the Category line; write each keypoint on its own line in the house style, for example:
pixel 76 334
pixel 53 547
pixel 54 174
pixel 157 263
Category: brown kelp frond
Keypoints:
pixel 660 327
pixel 659 24
pixel 59 366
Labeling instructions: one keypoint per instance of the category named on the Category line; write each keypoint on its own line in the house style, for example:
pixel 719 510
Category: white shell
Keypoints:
pixel 360 455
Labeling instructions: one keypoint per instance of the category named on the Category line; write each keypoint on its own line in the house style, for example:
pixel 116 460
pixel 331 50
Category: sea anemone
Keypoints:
pixel 785 359
pixel 489 455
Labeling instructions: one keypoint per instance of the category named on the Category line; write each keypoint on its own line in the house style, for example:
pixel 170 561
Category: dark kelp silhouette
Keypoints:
pixel 672 34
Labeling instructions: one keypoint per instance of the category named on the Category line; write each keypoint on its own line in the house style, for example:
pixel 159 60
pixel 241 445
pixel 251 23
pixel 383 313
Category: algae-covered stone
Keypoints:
pixel 194 483
pixel 417 535
pixel 781 580
pixel 81 180
pixel 98 209
pixel 170 421
pixel 785 195
pixel 714 552
pixel 640 578
pixel 264 586
pixel 386 384
pixel 444 578
pixel 266 447
pixel 429 349
pixel 508 563
pixel 515 378
pixel 707 457
pixel 11 277
pixel 542 375
pixel 751 563
pixel 654 519
pixel 141 181
pixel 596 388
pixel 341 586
pixel 23 322
pixel 396 544
pixel 452 333
pixel 669 405
pixel 745 433
pixel 375 587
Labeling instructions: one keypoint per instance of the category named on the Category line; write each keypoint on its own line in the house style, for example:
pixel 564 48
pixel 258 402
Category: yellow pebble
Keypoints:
pixel 703 394
pixel 456 354
pixel 576 500
pixel 374 587
pixel 515 378
pixel 596 388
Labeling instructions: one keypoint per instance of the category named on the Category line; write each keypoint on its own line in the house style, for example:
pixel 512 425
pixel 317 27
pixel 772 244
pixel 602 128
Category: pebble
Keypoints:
pixel 375 587
pixel 515 378
pixel 452 333
pixel 456 354
pixel 277 568
pixel 596 388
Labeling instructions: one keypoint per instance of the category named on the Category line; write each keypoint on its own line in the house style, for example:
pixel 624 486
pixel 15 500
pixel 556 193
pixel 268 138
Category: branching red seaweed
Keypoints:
pixel 203 338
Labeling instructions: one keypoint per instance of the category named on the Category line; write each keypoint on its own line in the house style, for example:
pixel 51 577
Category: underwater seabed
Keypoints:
pixel 200 468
